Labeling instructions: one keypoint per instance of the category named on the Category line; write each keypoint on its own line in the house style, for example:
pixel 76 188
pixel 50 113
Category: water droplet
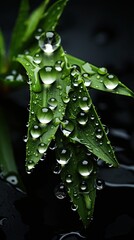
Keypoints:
pixel 19 78
pixel 12 179
pixel 74 207
pixel 99 184
pixel 3 221
pixel 66 99
pixel 30 165
pixel 57 169
pixel 9 78
pixel 67 127
pixel 69 178
pixel 37 58
pixel 53 145
pixel 38 33
pixel 102 70
pixel 88 68
pixel 49 42
pixel 85 168
pixel 25 139
pixel 35 131
pixel 60 191
pixel 45 115
pixel 99 133
pixel 110 82
pixel 83 186
pixel 85 103
pixel 52 103
pixel 47 75
pixel 64 156
pixel 59 66
pixel 82 118
pixel 87 81
pixel 42 148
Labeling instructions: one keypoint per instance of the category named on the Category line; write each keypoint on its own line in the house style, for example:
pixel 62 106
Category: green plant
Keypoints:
pixel 61 109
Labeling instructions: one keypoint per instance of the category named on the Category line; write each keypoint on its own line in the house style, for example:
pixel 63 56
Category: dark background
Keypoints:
pixel 102 33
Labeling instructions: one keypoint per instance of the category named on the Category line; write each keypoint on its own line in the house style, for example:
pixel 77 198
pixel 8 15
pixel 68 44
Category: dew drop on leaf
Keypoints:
pixel 74 207
pixel 42 147
pixel 52 103
pixel 83 186
pixel 49 42
pixel 99 184
pixel 85 168
pixel 64 156
pixel 102 70
pixel 99 133
pixel 59 66
pixel 85 103
pixel 69 178
pixel 37 58
pixel 57 169
pixel 35 131
pixel 47 75
pixel 82 118
pixel 87 81
pixel 45 115
pixel 67 127
pixel 110 82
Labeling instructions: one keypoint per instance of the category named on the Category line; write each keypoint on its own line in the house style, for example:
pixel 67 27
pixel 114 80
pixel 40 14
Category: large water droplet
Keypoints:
pixel 35 131
pixel 64 156
pixel 49 42
pixel 110 82
pixel 85 168
pixel 67 127
pixel 60 191
pixel 45 115
pixel 85 103
pixel 82 118
pixel 47 75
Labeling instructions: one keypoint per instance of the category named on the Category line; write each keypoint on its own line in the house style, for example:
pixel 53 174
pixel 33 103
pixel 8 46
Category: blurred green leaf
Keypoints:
pixel 2 53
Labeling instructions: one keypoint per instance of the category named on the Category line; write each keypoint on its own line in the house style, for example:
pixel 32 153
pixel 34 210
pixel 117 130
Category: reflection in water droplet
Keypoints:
pixel 49 42
pixel 60 191
pixel 35 131
pixel 45 115
pixel 110 82
pixel 64 156
pixel 85 168
pixel 74 207
pixel 83 186
pixel 59 66
pixel 30 165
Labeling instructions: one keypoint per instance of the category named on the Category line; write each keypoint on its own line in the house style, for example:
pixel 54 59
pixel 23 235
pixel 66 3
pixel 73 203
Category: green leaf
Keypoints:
pixel 25 26
pixel 100 79
pixel 78 175
pixel 47 107
pixel 52 16
pixel 19 29
pixel 89 130
pixel 2 53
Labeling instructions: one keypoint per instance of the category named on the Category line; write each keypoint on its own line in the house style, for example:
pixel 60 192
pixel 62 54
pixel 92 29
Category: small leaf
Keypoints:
pixel 100 79
pixel 78 175
pixel 50 83
pixel 52 16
